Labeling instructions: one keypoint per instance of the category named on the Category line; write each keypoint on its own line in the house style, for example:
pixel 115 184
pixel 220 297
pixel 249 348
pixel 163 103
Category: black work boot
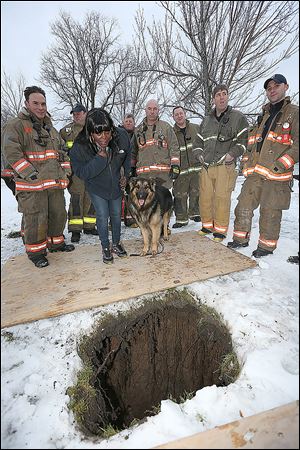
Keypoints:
pixel 119 250
pixel 218 237
pixel 40 261
pixel 93 231
pixel 204 231
pixel 75 236
pixel 196 218
pixel 259 252
pixel 107 256
pixel 179 224
pixel 236 244
pixel 293 259
pixel 64 248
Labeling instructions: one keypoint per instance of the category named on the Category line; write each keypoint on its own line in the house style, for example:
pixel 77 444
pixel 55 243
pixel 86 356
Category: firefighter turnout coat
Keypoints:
pixel 215 139
pixel 186 186
pixel 81 213
pixel 155 150
pixel 33 155
pixel 268 167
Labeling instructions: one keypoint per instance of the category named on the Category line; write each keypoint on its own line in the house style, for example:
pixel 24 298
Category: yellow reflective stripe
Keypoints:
pixel 242 131
pixel 183 148
pixel 190 170
pixel 210 137
pixel 89 219
pixel 76 222
pixel 243 146
pixel 69 144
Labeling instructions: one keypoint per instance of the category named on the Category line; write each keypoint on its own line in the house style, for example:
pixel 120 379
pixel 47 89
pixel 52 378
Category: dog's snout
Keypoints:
pixel 141 193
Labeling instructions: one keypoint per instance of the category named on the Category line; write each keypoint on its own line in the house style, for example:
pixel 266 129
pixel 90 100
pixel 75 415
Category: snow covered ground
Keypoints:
pixel 260 307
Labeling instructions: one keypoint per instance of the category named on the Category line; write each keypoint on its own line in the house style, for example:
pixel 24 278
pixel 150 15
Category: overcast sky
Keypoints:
pixel 25 33
pixel 25 28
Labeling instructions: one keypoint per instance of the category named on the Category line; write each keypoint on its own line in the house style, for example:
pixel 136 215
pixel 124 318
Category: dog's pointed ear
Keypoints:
pixel 152 182
pixel 132 182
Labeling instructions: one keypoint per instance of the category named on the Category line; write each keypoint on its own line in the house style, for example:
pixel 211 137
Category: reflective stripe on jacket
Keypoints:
pixel 216 138
pixel 188 162
pixel 31 147
pixel 69 133
pixel 281 145
pixel 155 148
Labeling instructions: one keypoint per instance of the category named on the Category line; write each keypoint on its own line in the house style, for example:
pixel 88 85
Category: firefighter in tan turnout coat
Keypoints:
pixel 268 164
pixel 186 186
pixel 81 214
pixel 155 152
pixel 32 149
pixel 221 139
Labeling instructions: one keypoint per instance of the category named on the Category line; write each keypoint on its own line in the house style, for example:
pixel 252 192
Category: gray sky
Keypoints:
pixel 25 28
pixel 25 33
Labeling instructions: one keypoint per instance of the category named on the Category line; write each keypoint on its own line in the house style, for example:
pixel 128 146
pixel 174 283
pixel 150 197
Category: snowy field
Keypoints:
pixel 260 306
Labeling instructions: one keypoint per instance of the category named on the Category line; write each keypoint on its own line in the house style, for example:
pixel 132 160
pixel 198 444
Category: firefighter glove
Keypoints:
pixel 229 159
pixel 174 172
pixel 198 153
pixel 279 167
pixel 33 176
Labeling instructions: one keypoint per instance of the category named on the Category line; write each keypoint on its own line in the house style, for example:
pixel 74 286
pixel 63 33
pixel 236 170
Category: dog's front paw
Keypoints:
pixel 144 252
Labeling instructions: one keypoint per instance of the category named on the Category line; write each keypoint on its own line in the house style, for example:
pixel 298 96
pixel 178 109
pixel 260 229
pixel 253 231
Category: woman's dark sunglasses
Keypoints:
pixel 101 129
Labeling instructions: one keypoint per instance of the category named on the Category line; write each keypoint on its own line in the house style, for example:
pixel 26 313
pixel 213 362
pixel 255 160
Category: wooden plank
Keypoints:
pixel 275 428
pixel 79 280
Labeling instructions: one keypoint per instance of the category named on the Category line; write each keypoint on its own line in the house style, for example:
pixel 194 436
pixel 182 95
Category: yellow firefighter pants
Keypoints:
pixel 216 186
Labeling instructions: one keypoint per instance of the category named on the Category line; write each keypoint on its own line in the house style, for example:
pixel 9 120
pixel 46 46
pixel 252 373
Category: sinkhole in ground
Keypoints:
pixel 169 347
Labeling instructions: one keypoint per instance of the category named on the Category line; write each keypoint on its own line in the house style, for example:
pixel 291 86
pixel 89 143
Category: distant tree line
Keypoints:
pixel 178 59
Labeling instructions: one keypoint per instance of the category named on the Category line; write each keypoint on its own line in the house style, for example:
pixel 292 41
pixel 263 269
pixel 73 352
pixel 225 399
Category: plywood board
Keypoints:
pixel 275 428
pixel 79 280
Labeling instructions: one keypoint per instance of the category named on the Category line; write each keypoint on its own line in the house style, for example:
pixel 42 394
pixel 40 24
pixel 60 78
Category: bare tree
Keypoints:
pixel 200 44
pixel 132 93
pixel 78 66
pixel 12 96
pixel 87 64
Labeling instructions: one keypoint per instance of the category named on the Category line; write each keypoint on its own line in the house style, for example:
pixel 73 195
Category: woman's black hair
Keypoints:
pixel 97 120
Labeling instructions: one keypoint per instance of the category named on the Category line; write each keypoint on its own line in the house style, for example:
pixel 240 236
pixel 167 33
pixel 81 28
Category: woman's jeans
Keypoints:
pixel 105 209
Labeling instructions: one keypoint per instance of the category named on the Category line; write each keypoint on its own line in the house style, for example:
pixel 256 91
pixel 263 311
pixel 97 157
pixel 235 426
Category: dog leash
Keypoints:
pixel 150 254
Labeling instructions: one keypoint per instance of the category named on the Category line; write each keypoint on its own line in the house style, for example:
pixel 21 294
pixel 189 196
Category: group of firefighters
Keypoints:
pixel 199 163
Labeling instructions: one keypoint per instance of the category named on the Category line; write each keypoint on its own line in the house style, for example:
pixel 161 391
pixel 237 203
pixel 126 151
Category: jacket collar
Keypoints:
pixel 24 114
pixel 178 128
pixel 213 112
pixel 267 106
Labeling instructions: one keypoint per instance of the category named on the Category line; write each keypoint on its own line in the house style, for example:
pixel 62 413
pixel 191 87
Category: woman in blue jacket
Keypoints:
pixel 98 155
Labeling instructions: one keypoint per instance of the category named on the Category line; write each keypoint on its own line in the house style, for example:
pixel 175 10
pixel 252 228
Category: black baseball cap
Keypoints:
pixel 77 108
pixel 278 78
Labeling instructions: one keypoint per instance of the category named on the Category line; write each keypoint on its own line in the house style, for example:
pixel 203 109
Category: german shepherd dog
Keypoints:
pixel 151 205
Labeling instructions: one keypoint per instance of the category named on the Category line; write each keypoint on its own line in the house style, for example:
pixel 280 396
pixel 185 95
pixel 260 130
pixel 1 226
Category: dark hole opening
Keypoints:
pixel 164 349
